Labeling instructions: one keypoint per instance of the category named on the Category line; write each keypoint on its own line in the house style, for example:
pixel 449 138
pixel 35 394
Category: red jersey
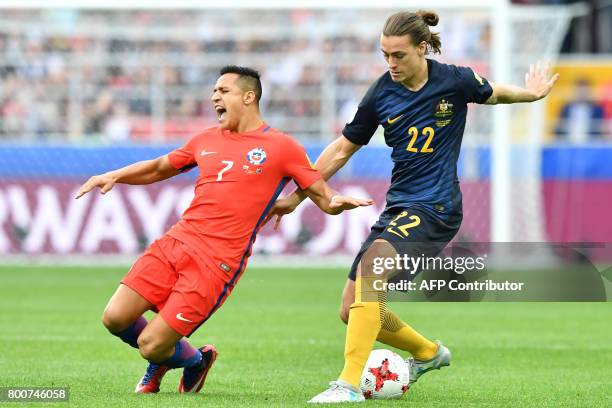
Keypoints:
pixel 241 175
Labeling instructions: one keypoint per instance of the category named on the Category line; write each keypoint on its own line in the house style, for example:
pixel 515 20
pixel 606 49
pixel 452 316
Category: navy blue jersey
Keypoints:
pixel 425 129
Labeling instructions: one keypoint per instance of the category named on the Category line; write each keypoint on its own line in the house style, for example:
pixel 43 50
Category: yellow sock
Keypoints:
pixel 363 327
pixel 398 334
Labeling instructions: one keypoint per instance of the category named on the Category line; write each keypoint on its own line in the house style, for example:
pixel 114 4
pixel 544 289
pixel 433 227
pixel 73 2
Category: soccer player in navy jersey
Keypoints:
pixel 422 106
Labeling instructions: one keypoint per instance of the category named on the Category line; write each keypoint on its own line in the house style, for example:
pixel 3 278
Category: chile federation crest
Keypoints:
pixel 256 156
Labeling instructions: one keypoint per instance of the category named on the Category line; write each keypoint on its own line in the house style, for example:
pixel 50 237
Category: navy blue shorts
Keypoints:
pixel 411 230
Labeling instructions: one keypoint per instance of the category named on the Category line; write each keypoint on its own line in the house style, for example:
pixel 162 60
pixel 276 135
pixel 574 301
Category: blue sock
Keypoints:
pixel 184 356
pixel 130 335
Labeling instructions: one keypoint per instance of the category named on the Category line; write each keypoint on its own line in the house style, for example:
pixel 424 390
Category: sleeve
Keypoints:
pixel 365 121
pixel 475 88
pixel 183 158
pixel 297 165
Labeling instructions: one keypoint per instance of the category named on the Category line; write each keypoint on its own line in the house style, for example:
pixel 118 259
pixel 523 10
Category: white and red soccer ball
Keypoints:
pixel 385 376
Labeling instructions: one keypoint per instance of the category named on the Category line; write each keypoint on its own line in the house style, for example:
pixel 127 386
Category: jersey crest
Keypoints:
pixel 443 112
pixel 256 156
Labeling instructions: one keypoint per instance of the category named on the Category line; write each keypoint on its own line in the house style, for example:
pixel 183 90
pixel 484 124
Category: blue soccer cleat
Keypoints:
pixel 193 378
pixel 152 379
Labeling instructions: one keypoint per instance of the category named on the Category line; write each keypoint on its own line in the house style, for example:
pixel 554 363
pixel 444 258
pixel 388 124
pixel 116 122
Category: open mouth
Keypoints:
pixel 220 112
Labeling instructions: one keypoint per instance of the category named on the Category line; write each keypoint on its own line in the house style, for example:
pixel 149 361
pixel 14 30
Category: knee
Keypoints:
pixel 152 349
pixel 348 297
pixel 149 349
pixel 344 313
pixel 114 321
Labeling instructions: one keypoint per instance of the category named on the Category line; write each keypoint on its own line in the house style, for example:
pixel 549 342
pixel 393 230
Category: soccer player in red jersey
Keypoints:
pixel 187 274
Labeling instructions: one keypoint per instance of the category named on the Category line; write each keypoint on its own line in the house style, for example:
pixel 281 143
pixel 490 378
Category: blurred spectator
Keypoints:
pixel 582 118
pixel 98 112
pixel 148 74
pixel 117 127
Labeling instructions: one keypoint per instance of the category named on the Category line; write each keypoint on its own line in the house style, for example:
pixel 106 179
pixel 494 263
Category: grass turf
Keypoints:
pixel 280 342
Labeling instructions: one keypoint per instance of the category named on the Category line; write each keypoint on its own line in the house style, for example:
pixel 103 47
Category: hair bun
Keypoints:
pixel 430 18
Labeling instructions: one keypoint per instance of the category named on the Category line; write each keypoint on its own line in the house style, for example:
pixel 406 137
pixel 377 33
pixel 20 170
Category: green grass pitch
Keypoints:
pixel 280 341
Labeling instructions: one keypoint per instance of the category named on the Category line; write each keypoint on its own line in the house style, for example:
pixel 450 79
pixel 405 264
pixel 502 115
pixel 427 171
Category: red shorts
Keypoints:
pixel 171 277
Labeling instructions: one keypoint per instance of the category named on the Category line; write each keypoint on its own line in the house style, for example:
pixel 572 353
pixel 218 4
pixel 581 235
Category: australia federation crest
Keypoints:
pixel 444 109
pixel 256 156
pixel 443 112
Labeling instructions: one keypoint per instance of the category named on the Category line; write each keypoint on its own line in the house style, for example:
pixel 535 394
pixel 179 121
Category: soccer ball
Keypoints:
pixel 385 376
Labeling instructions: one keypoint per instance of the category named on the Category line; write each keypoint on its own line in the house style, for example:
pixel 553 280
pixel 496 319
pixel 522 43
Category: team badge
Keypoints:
pixel 256 156
pixel 443 112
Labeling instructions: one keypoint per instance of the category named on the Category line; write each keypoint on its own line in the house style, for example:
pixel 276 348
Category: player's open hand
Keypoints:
pixel 340 202
pixel 539 81
pixel 281 207
pixel 104 181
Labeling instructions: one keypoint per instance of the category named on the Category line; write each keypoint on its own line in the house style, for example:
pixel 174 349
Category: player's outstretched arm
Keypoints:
pixel 324 197
pixel 330 201
pixel 332 159
pixel 538 84
pixel 143 172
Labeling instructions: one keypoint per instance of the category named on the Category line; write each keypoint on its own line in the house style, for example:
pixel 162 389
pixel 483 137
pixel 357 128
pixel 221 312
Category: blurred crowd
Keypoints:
pixel 148 75
pixel 125 75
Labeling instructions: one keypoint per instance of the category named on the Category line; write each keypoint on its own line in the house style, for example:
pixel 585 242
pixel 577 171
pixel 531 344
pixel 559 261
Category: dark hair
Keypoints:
pixel 416 25
pixel 249 78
